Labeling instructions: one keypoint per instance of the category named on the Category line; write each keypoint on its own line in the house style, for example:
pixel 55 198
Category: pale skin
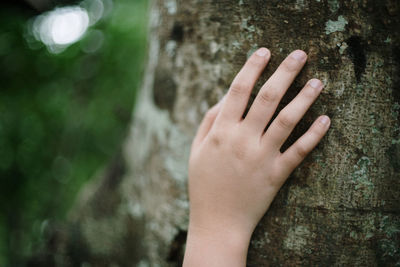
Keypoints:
pixel 236 168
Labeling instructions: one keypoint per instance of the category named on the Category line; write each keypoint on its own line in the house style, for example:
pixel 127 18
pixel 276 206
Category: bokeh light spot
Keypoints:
pixel 61 27
pixel 67 27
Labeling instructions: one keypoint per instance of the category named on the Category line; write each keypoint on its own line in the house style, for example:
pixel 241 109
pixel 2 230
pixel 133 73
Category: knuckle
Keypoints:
pixel 215 138
pixel 301 151
pixel 268 95
pixel 290 64
pixel 285 121
pixel 310 92
pixel 210 114
pixel 239 151
pixel 256 61
pixel 317 132
pixel 238 88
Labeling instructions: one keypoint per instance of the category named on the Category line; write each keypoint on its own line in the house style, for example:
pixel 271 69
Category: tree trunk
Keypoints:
pixel 340 207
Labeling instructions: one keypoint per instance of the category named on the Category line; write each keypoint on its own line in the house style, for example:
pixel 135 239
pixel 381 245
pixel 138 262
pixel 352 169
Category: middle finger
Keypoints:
pixel 272 91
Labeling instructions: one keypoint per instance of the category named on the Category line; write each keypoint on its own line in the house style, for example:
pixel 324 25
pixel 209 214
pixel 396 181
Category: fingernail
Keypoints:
pixel 299 55
pixel 324 120
pixel 262 52
pixel 315 83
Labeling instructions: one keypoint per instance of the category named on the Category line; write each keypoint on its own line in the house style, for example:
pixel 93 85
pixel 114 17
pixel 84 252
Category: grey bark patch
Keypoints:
pixel 164 92
pixel 336 26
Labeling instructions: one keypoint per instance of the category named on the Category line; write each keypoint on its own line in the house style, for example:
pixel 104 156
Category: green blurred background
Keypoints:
pixel 63 114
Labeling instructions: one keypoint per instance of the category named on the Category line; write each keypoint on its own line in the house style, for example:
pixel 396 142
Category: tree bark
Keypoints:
pixel 340 207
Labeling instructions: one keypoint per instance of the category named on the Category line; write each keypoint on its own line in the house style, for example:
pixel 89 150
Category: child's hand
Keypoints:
pixel 236 168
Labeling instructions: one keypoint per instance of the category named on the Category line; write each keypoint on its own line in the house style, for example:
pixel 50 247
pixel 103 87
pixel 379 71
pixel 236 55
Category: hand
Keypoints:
pixel 236 169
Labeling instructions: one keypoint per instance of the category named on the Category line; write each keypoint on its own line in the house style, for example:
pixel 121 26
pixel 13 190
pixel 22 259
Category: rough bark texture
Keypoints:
pixel 340 207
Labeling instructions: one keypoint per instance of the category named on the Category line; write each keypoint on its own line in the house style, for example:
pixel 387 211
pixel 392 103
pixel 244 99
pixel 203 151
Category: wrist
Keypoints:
pixel 216 247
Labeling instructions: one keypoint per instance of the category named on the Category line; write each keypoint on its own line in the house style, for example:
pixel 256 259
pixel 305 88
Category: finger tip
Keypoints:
pixel 299 55
pixel 325 120
pixel 316 83
pixel 263 52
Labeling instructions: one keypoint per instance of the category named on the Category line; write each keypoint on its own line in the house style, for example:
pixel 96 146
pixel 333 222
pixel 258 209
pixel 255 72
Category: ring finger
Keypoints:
pixel 284 123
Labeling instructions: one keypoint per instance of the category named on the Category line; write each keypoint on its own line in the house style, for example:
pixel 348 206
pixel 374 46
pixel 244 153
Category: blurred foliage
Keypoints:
pixel 62 117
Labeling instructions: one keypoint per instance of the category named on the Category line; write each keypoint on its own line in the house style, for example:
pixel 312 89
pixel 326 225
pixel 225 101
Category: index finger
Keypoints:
pixel 241 87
